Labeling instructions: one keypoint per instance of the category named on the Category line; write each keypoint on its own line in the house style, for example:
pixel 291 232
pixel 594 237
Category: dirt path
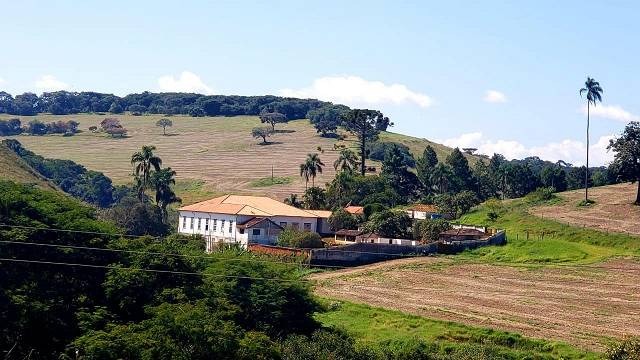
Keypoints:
pixel 580 305
pixel 613 210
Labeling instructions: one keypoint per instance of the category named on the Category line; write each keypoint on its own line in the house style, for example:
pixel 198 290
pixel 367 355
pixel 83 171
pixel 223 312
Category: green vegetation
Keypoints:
pixel 16 169
pixel 387 328
pixel 271 181
pixel 295 238
pixel 532 239
pixel 627 153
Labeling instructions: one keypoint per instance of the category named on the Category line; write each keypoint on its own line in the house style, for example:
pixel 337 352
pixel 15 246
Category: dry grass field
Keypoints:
pixel 210 154
pixel 613 211
pixel 15 169
pixel 583 306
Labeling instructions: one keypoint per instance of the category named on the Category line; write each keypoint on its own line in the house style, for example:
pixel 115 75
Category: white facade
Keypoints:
pixel 218 228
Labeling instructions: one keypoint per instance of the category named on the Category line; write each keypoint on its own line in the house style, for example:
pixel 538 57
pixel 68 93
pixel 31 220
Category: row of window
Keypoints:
pixel 203 224
pixel 295 225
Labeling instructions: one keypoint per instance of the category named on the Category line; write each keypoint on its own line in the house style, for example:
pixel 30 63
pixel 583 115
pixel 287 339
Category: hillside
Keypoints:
pixel 210 154
pixel 15 169
pixel 613 210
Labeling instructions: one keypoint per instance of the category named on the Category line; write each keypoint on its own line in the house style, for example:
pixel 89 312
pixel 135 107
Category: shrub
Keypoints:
pixel 628 349
pixel 36 127
pixel 429 230
pixel 10 127
pixel 540 195
pixel 295 238
pixel 494 209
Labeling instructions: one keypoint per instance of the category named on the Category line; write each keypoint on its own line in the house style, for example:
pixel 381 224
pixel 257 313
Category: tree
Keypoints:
pixel 162 181
pixel 365 125
pixel 36 127
pixel 144 161
pixel 341 219
pixel 272 118
pixel 425 166
pixel 314 165
pixel 594 95
pixel 164 123
pixel 627 155
pixel 429 230
pixel 397 174
pixel 389 223
pixel 305 172
pixel 462 179
pixel 314 198
pixel 347 161
pixel 115 108
pixel 292 200
pixel 261 132
pixel 441 177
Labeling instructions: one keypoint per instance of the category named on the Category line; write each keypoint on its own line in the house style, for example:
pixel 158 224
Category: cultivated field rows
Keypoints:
pixel 584 306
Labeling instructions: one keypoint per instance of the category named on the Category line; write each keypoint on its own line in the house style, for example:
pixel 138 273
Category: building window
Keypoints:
pixel 222 227
pixel 295 225
pixel 283 224
pixel 184 222
pixel 215 225
pixel 191 223
pixel 230 226
pixel 307 226
pixel 206 224
pixel 199 223
pixel 256 231
pixel 241 231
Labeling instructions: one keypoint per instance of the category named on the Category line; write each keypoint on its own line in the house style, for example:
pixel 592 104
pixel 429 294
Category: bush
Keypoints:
pixel 540 195
pixel 10 127
pixel 36 127
pixel 628 349
pixel 295 238
pixel 341 219
pixel 429 230
pixel 494 209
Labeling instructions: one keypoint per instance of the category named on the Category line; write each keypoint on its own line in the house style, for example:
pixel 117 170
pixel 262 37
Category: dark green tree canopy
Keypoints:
pixel 627 155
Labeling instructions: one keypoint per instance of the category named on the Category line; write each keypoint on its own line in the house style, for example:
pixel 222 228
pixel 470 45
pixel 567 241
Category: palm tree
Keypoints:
pixel 305 172
pixel 594 94
pixel 162 181
pixel 314 164
pixel 143 161
pixel 346 161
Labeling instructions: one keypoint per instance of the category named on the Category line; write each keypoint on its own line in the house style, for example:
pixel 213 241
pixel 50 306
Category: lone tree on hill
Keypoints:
pixel 627 155
pixel 261 132
pixel 594 94
pixel 143 162
pixel 164 123
pixel 366 125
pixel 273 118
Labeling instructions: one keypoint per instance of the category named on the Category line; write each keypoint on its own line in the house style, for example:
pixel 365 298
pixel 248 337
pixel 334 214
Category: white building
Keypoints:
pixel 247 219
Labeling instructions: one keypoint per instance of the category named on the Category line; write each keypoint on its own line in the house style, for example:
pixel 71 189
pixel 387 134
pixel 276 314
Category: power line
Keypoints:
pixel 77 231
pixel 149 270
pixel 208 257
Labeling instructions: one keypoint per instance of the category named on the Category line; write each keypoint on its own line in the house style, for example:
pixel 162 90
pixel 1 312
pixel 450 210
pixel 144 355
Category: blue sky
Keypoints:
pixel 499 75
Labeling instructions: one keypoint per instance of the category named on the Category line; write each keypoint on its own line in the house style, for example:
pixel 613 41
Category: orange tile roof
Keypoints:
pixel 320 213
pixel 356 210
pixel 425 208
pixel 248 205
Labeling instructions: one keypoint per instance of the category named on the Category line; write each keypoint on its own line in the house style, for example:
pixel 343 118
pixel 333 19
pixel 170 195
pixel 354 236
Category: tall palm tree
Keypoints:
pixel 314 164
pixel 162 181
pixel 346 161
pixel 144 161
pixel 305 173
pixel 594 94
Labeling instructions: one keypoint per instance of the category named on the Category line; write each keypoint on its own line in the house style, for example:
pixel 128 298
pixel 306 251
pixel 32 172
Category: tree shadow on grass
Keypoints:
pixel 281 131
pixel 270 143
pixel 171 135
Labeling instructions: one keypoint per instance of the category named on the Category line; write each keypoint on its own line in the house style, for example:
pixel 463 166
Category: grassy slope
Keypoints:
pixel 373 326
pixel 210 154
pixel 549 241
pixel 15 169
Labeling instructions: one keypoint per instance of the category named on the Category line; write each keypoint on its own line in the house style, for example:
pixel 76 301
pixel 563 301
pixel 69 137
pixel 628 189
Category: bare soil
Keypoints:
pixel 613 211
pixel 585 306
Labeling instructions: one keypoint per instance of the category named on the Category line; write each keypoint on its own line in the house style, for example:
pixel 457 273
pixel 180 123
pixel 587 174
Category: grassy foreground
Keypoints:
pixel 376 326
pixel 548 241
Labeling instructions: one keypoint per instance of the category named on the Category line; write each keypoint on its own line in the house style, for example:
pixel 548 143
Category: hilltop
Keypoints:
pixel 211 155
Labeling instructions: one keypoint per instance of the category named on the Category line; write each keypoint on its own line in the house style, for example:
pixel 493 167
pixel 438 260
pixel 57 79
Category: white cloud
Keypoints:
pixel 187 82
pixel 613 112
pixel 494 96
pixel 355 91
pixel 50 83
pixel 571 151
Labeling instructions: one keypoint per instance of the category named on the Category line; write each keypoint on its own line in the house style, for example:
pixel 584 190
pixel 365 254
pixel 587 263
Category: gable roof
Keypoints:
pixel 256 221
pixel 248 205
pixel 355 210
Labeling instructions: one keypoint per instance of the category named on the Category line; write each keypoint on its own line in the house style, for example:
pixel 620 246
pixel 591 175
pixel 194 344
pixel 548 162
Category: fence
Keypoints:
pixel 367 253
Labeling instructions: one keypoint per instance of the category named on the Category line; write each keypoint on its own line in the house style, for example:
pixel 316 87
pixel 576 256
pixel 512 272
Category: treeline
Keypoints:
pixel 65 102
pixel 36 127
pixel 92 294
